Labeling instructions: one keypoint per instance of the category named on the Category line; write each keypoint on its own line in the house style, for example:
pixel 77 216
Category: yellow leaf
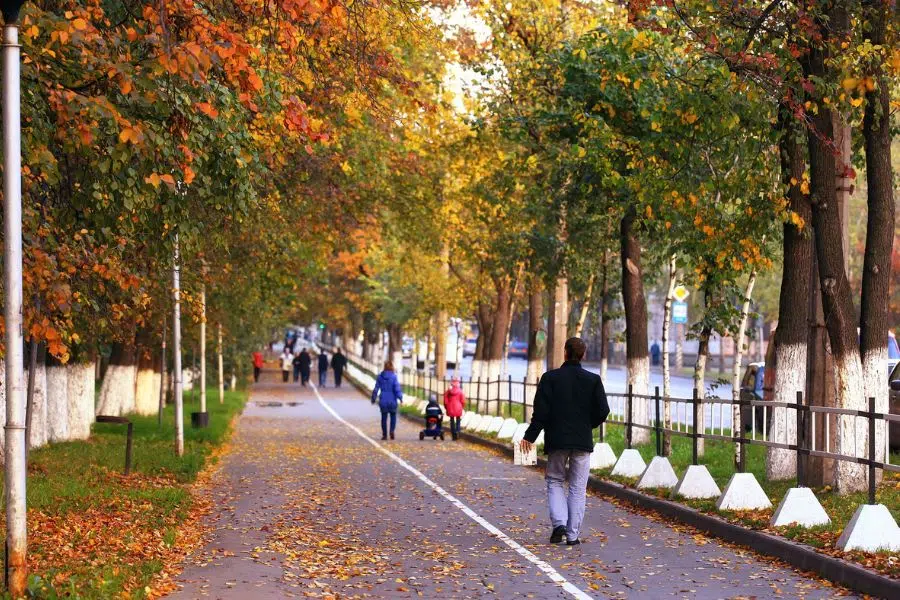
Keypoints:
pixel 153 180
pixel 79 24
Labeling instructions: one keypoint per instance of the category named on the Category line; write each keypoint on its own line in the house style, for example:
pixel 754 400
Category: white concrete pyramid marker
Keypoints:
pixel 871 529
pixel 495 425
pixel 507 430
pixel 800 507
pixel 519 433
pixel 603 456
pixel 474 422
pixel 743 492
pixel 466 419
pixel 630 464
pixel 658 474
pixel 697 483
pixel 483 424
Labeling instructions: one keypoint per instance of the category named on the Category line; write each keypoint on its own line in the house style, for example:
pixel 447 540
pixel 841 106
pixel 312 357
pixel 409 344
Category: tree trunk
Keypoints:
pixel 482 345
pixel 736 367
pixel 501 319
pixel 700 384
pixel 559 318
pixel 202 376
pixel 667 378
pixel 537 335
pixel 791 337
pixel 395 346
pixel 605 319
pixel 57 401
pixel 36 425
pixel 837 301
pixel 148 379
pixel 163 377
pixel 440 338
pixel 80 397
pixel 635 303
pixel 876 278
pixel 582 316
pixel 221 363
pixel 118 387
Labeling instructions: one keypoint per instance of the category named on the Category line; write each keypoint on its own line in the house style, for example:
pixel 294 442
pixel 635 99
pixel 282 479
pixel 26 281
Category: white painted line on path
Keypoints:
pixel 544 566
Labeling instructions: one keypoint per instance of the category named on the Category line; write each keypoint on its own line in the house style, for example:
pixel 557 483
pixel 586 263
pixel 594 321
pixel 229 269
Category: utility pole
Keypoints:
pixel 176 351
pixel 15 481
pixel 221 364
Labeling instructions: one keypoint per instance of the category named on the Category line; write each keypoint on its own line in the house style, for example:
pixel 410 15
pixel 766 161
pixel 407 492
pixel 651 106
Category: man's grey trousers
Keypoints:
pixel 567 509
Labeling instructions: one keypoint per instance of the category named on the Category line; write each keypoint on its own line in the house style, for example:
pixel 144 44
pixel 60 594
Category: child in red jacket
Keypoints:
pixel 454 403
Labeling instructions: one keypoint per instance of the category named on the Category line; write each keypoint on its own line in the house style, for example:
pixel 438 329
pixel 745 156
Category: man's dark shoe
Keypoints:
pixel 392 435
pixel 573 543
pixel 558 534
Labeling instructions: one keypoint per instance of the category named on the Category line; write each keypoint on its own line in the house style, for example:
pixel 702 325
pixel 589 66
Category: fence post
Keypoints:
pixel 628 417
pixel 658 423
pixel 801 458
pixel 509 397
pixel 478 397
pixel 128 444
pixel 872 450
pixel 696 439
pixel 525 399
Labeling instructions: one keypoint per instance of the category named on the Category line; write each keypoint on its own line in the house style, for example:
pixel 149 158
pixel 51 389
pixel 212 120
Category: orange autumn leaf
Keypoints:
pixel 153 180
pixel 188 175
pixel 79 24
pixel 207 109
pixel 168 180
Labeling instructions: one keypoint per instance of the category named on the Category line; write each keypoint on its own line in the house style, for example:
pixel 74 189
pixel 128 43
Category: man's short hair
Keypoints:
pixel 575 349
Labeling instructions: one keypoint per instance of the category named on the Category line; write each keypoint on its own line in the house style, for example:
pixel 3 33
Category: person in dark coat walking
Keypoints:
pixel 305 365
pixel 569 404
pixel 323 368
pixel 338 362
pixel 388 394
pixel 296 366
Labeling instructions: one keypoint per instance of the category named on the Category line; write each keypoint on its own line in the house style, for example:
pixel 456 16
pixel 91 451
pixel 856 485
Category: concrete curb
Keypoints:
pixel 800 556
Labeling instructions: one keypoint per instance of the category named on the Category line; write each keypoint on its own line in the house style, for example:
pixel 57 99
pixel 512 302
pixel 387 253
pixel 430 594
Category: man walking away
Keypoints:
pixel 305 365
pixel 297 361
pixel 569 403
pixel 338 362
pixel 323 368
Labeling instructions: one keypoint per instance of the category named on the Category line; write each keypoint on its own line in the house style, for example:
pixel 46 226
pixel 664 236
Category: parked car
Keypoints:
pixel 517 349
pixel 893 352
pixel 469 347
pixel 894 382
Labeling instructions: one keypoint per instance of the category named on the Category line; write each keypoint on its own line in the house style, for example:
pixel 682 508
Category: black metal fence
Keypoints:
pixel 841 434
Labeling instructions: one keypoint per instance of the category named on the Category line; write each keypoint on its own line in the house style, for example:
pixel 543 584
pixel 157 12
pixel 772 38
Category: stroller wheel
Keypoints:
pixel 421 435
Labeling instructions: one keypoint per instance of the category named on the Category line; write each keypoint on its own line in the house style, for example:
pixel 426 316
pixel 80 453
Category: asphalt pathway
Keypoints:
pixel 311 503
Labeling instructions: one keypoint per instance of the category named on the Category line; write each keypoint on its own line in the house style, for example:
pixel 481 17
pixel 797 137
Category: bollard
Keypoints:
pixel 658 424
pixel 696 437
pixel 628 418
pixel 738 430
pixel 871 450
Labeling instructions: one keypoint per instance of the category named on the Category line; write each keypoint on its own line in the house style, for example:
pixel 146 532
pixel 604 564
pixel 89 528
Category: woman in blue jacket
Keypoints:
pixel 391 394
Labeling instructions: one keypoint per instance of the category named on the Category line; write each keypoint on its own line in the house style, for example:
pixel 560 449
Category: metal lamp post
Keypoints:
pixel 16 573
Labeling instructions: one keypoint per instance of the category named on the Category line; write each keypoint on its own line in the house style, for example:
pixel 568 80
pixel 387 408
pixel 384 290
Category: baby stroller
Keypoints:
pixel 434 419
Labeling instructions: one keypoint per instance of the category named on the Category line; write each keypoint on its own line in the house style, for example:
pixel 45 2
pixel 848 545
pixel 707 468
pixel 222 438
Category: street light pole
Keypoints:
pixel 14 483
pixel 176 351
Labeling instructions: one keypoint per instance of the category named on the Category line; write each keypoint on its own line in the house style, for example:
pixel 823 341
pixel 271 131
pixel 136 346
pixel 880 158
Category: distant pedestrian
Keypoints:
pixel 296 365
pixel 257 365
pixel 287 360
pixel 305 362
pixel 388 394
pixel 569 403
pixel 323 368
pixel 655 353
pixel 338 363
pixel 454 404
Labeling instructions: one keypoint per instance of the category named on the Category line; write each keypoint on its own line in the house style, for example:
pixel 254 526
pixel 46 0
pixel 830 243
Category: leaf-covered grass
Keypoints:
pixel 94 533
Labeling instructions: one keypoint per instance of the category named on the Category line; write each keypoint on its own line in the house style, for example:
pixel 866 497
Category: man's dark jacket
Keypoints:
pixel 323 361
pixel 338 362
pixel 570 402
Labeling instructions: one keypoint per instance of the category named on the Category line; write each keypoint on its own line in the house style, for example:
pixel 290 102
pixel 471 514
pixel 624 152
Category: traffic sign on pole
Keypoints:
pixel 681 293
pixel 679 312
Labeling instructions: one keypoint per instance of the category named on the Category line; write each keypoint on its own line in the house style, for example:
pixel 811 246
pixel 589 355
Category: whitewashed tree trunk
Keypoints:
pixel 221 363
pixel 117 390
pixel 80 397
pixel 852 432
pixel 667 376
pixel 3 412
pixel 57 403
pixel 585 307
pixel 202 375
pixel 639 380
pixel 738 359
pixel 147 384
pixel 873 365
pixel 790 377
pixel 38 433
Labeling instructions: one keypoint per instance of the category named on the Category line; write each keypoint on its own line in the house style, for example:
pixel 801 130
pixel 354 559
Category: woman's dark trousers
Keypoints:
pixel 384 422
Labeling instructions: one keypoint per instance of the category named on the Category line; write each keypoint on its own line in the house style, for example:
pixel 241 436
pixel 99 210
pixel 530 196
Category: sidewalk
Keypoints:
pixel 308 507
